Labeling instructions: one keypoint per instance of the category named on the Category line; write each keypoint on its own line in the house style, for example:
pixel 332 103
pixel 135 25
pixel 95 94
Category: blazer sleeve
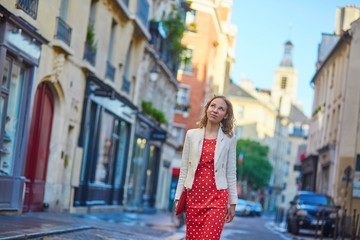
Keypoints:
pixel 231 172
pixel 184 167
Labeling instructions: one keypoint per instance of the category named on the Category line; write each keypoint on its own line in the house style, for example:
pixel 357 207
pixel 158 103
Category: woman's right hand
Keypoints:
pixel 176 203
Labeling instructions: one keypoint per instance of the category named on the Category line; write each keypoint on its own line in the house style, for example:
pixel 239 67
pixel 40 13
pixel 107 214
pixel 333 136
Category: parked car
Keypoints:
pixel 303 211
pixel 255 208
pixel 242 208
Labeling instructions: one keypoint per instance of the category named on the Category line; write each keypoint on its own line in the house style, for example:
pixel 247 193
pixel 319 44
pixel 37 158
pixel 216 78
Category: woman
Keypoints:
pixel 208 172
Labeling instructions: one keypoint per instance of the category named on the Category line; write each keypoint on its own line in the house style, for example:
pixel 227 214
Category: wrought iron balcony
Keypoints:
pixel 28 6
pixel 90 54
pixel 110 71
pixel 63 31
pixel 143 11
pixel 125 85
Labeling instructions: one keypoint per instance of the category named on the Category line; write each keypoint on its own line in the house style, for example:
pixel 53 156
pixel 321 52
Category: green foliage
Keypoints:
pixel 146 107
pixel 157 115
pixel 90 37
pixel 175 28
pixel 256 168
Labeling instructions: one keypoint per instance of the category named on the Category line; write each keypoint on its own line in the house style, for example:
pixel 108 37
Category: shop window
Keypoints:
pixel 11 95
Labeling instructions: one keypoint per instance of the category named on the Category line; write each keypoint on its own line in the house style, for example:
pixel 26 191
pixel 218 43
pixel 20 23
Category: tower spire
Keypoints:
pixel 286 60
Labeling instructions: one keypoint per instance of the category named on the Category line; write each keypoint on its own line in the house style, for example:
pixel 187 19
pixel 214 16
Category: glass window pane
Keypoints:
pixel 105 157
pixel 12 118
pixel 6 72
pixel 121 157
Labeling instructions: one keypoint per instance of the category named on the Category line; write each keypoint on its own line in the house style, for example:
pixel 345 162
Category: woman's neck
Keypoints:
pixel 211 130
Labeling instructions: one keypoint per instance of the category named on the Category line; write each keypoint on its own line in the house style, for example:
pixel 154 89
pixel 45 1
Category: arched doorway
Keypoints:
pixel 38 148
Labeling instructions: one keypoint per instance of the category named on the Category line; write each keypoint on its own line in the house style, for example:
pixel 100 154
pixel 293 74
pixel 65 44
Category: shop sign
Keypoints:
pixel 17 39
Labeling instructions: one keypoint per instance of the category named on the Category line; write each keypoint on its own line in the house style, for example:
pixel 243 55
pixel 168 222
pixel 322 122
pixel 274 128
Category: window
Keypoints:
pixel 110 69
pixel 332 76
pixel 282 198
pixel 186 60
pixel 283 82
pixel 286 171
pixel 238 132
pixel 126 81
pixel 288 148
pixel 11 95
pixel 64 5
pixel 240 110
pixel 92 13
pixel 178 132
pixel 190 17
pixel 183 98
pixel 357 167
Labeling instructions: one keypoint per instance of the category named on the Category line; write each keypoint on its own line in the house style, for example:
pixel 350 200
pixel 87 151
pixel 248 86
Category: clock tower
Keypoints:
pixel 284 89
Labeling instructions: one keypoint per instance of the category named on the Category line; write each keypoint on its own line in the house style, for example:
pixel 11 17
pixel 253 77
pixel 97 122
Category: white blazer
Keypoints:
pixel 224 162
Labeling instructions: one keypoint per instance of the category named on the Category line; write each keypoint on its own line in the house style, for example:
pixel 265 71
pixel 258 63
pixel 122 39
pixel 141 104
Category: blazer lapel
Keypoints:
pixel 200 141
pixel 219 145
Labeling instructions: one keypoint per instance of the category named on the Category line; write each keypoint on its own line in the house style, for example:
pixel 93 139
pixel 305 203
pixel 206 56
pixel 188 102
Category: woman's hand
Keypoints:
pixel 230 213
pixel 176 203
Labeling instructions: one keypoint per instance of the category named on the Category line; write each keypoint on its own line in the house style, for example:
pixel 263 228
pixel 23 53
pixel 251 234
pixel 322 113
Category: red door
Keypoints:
pixel 38 149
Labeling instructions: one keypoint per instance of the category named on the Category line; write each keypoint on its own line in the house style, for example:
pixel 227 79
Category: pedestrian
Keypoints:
pixel 208 172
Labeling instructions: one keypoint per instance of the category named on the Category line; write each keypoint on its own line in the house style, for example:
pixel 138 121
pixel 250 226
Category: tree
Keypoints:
pixel 256 168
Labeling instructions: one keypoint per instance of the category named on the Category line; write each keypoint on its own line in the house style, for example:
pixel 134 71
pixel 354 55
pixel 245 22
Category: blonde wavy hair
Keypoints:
pixel 227 124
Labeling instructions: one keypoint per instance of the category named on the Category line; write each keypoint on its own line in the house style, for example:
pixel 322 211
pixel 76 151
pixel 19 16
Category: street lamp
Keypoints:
pixel 154 73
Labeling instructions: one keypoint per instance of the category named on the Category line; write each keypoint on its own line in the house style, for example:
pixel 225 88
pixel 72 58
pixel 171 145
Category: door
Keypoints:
pixel 38 149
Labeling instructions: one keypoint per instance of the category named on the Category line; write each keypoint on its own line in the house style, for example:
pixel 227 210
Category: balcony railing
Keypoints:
pixel 28 6
pixel 143 11
pixel 63 31
pixel 110 71
pixel 90 54
pixel 125 85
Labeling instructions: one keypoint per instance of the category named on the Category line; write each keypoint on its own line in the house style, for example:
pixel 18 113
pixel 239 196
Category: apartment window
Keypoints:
pixel 283 82
pixel 288 148
pixel 240 111
pixel 238 132
pixel 110 69
pixel 126 81
pixel 286 171
pixel 282 198
pixel 179 133
pixel 64 5
pixel 190 17
pixel 332 75
pixel 186 60
pixel 90 44
pixel 183 99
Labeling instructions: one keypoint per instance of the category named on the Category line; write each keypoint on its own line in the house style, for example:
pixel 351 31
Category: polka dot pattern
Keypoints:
pixel 205 205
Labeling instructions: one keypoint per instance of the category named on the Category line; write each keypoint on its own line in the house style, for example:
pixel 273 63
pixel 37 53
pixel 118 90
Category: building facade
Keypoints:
pixel 333 139
pixel 82 80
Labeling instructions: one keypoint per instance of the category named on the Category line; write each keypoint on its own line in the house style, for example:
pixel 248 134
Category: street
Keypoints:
pixel 160 226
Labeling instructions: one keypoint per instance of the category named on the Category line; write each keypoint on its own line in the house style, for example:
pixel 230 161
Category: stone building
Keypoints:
pixel 333 144
pixel 80 79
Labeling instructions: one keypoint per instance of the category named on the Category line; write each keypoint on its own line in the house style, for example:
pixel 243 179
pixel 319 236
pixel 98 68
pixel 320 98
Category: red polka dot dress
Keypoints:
pixel 205 205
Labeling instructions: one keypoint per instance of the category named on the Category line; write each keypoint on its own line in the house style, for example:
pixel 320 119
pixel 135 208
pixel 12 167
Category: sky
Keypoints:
pixel 263 28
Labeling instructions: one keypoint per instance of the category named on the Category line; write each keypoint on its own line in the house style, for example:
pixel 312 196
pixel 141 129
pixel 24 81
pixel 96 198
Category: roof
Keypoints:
pixel 237 91
pixel 296 115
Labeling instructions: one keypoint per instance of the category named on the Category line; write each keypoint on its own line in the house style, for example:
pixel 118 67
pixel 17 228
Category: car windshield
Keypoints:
pixel 315 200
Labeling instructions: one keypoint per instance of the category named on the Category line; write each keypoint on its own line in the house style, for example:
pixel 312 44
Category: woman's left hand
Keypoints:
pixel 230 213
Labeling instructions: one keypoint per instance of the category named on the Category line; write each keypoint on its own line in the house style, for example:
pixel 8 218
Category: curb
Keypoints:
pixel 43 234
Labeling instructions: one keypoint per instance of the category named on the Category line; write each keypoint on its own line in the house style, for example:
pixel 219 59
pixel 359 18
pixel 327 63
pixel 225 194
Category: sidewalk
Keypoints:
pixel 135 225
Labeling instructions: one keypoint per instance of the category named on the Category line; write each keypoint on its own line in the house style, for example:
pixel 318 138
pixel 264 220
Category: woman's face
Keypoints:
pixel 216 111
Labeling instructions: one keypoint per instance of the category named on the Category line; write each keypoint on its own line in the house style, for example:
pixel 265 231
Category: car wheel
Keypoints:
pixel 295 228
pixel 288 227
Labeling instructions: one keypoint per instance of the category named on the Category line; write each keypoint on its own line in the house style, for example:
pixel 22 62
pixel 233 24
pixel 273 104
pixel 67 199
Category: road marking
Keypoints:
pixel 267 225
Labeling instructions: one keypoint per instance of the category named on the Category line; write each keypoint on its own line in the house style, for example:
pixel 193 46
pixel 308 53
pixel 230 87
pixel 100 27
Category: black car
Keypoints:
pixel 303 211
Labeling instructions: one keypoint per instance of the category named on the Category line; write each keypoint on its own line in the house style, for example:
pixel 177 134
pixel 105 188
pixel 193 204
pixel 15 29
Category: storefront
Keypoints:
pixel 105 135
pixel 20 50
pixel 144 168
